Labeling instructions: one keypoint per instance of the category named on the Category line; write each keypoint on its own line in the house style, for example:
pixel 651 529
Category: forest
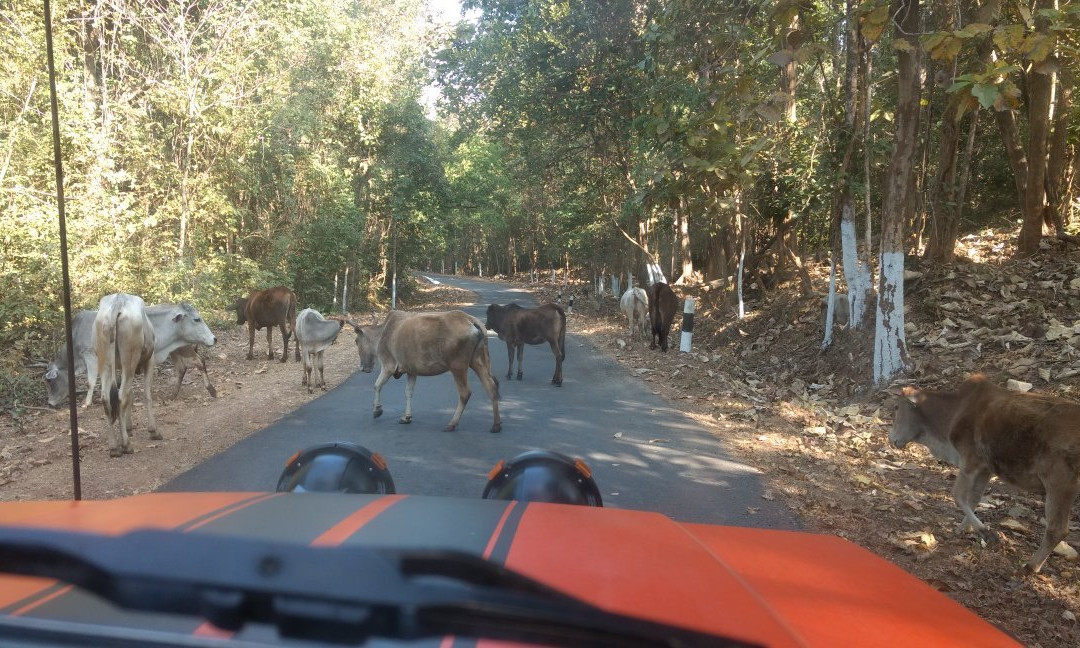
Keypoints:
pixel 211 146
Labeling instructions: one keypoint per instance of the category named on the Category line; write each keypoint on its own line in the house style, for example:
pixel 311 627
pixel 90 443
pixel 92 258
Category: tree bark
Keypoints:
pixel 684 244
pixel 890 347
pixel 1040 91
pixel 1057 176
pixel 944 202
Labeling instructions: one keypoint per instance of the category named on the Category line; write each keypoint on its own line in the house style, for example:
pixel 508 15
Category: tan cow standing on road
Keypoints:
pixel 429 344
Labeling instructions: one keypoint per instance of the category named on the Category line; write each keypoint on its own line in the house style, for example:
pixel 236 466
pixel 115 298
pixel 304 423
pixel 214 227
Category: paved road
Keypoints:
pixel 599 414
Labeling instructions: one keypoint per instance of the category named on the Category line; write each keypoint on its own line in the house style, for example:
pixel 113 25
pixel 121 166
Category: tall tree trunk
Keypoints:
pixel 1057 175
pixel 856 271
pixel 890 346
pixel 789 37
pixel 684 244
pixel 944 202
pixel 1040 92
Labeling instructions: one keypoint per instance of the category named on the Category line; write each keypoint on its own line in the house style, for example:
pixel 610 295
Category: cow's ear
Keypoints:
pixel 50 374
pixel 356 328
pixel 913 394
pixel 178 317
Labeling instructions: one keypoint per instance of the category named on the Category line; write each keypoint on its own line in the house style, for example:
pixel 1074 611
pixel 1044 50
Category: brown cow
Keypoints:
pixel 662 306
pixel 519 326
pixel 429 344
pixel 124 340
pixel 269 308
pixel 1030 440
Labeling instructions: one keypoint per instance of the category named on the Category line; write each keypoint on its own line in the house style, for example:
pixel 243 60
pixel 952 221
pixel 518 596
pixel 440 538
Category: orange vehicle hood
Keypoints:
pixel 776 588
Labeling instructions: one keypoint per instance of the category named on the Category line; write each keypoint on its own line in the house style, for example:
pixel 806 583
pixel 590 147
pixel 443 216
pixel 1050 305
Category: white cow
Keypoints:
pixel 635 305
pixel 314 333
pixel 124 340
pixel 171 322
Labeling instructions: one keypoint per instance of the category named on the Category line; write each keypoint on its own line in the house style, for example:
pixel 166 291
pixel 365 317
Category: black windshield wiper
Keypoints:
pixel 341 595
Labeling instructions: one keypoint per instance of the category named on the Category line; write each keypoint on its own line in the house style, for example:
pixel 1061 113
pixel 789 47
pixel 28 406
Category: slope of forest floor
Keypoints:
pixel 808 420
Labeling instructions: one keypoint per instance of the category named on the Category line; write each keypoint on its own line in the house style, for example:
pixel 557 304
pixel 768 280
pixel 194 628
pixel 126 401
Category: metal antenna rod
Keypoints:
pixel 58 161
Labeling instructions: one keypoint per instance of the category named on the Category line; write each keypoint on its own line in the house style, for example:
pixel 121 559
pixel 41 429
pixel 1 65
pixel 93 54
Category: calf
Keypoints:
pixel 1030 440
pixel 172 323
pixel 429 344
pixel 635 305
pixel 662 306
pixel 124 340
pixel 519 326
pixel 266 309
pixel 314 333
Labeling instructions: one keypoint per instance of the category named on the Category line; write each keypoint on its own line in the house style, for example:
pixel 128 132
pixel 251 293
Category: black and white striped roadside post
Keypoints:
pixel 687 325
pixel 570 309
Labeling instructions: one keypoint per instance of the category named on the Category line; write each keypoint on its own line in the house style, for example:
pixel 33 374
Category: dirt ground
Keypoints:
pixel 761 385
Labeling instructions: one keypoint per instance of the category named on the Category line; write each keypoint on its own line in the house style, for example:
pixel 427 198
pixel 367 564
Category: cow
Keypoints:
pixel 662 306
pixel 124 340
pixel 268 308
pixel 314 333
pixel 171 322
pixel 429 344
pixel 635 305
pixel 1029 440
pixel 519 326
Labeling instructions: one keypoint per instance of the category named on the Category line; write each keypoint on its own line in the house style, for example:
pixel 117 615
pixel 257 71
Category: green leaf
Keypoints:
pixel 958 85
pixel 974 29
pixel 872 24
pixel 1008 37
pixel 986 93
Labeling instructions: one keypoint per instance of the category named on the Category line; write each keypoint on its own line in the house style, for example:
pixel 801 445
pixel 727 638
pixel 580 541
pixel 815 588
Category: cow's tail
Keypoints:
pixel 112 407
pixel 481 348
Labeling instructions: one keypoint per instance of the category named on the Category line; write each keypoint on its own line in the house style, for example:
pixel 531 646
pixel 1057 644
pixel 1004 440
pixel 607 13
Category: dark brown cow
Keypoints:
pixel 662 306
pixel 519 326
pixel 269 308
pixel 1029 440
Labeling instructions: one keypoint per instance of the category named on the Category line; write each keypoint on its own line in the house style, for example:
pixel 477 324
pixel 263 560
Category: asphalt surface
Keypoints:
pixel 644 454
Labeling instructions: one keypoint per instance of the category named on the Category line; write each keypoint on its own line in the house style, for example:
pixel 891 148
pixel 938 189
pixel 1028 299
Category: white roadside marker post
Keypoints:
pixel 687 325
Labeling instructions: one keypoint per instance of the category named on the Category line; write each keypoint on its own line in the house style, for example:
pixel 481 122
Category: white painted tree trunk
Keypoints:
pixel 890 344
pixel 830 309
pixel 856 274
pixel 742 260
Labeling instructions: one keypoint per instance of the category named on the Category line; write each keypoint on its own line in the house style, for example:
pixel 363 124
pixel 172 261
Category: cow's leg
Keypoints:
pixel 151 425
pixel 306 380
pixel 510 358
pixel 251 340
pixel 181 367
pixel 491 386
pixel 91 378
pixel 205 376
pixel 322 376
pixel 410 385
pixel 384 375
pixel 270 344
pixel 520 352
pixel 126 389
pixel 963 489
pixel 1060 494
pixel 285 340
pixel 557 378
pixel 461 381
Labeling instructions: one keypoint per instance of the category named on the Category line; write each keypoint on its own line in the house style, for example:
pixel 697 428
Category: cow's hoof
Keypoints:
pixel 115 452
pixel 519 375
pixel 250 357
pixel 449 428
pixel 128 450
pixel 495 429
pixel 283 360
pixel 155 435
pixel 557 383
pixel 509 375
pixel 377 412
pixel 212 391
pixel 405 420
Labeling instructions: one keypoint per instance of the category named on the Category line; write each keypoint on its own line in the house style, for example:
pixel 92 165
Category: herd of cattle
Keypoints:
pixel 1029 440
